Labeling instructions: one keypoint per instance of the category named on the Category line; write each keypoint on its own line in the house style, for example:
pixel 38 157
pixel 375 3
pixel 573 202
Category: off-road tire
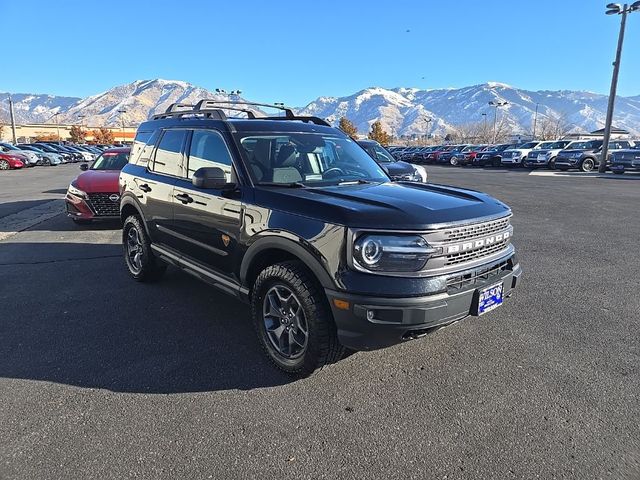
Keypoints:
pixel 322 347
pixel 151 269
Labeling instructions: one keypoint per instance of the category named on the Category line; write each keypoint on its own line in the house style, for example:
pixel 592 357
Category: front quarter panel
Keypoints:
pixel 318 244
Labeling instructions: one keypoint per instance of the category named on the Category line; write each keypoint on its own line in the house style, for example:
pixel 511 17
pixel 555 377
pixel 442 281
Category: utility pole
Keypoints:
pixel 535 121
pixel 13 120
pixel 122 124
pixel 613 9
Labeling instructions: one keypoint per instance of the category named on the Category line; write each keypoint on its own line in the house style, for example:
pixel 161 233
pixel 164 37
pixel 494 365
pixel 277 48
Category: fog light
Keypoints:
pixel 370 314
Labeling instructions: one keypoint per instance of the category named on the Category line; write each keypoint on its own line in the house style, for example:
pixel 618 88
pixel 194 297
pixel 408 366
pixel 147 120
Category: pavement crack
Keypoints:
pixel 60 260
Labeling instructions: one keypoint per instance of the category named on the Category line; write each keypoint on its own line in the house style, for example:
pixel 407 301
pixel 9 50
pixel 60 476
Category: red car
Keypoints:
pixel 8 161
pixel 93 195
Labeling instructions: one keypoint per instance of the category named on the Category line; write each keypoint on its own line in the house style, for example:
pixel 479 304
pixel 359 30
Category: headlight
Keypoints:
pixel 391 253
pixel 76 191
pixel 421 173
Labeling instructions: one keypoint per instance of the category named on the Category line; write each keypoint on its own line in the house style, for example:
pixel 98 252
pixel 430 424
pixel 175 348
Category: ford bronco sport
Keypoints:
pixel 296 219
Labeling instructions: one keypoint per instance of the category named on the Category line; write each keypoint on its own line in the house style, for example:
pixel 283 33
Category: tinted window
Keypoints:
pixel 168 158
pixel 208 149
pixel 143 150
pixel 111 161
pixel 382 155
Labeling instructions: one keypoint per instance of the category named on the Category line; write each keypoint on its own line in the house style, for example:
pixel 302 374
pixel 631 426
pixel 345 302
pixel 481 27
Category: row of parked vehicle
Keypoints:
pixel 584 155
pixel 22 155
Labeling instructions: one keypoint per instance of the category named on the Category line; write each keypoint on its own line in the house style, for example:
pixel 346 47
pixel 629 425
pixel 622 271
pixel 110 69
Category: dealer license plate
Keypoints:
pixel 489 298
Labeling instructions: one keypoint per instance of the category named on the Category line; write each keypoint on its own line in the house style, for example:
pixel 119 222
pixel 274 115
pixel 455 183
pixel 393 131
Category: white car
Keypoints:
pixel 45 158
pixel 546 153
pixel 516 156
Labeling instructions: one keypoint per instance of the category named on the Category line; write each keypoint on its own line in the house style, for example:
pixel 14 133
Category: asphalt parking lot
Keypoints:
pixel 101 377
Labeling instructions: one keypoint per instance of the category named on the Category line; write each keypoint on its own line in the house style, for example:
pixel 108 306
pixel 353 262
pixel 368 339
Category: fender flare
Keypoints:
pixel 129 200
pixel 288 245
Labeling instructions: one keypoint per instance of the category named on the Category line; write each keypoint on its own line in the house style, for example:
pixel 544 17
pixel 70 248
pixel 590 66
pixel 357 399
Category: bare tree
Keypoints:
pixel 553 126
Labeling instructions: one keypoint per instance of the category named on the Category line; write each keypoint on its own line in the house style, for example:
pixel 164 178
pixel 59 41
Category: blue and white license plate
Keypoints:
pixel 489 298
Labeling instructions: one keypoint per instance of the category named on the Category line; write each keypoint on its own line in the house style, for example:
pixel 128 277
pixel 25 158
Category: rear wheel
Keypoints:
pixel 293 320
pixel 139 258
pixel 4 165
pixel 552 163
pixel 587 165
pixel 454 161
pixel 496 162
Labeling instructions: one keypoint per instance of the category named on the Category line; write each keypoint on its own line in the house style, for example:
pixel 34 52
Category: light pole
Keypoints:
pixel 484 130
pixel 428 121
pixel 81 117
pixel 495 115
pixel 122 123
pixel 614 9
pixel 535 121
pixel 13 120
pixel 57 126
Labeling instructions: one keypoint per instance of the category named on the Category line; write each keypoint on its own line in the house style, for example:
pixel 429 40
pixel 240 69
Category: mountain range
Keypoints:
pixel 402 111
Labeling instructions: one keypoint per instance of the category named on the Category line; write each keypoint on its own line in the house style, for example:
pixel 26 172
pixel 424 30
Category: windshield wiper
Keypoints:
pixel 283 185
pixel 354 182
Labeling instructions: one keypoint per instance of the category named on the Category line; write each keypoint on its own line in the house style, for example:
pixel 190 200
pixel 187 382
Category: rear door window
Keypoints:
pixel 168 156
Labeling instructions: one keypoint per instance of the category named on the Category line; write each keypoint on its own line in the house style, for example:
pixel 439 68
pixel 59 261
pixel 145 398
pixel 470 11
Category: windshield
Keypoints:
pixel 307 158
pixel 580 145
pixel 8 146
pixel 111 161
pixel 382 155
pixel 529 145
pixel 556 145
pixel 546 145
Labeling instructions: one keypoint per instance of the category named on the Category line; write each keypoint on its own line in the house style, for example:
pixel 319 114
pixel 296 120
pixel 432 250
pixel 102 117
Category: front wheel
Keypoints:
pixel 293 320
pixel 552 164
pixel 454 161
pixel 138 256
pixel 587 165
pixel 4 165
pixel 496 162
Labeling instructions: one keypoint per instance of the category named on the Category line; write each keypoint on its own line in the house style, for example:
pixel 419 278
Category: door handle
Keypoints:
pixel 184 198
pixel 144 187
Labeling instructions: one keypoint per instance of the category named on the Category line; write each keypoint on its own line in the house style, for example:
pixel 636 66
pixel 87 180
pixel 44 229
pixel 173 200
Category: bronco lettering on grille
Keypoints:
pixel 483 242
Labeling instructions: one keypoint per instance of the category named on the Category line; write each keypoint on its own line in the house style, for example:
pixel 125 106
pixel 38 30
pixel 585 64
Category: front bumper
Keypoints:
pixel 536 162
pixel 370 323
pixel 511 161
pixel 625 167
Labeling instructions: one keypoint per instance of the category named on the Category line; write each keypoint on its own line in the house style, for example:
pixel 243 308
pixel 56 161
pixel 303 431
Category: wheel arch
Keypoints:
pixel 271 250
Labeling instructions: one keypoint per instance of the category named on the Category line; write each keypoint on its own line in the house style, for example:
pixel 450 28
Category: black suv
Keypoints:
pixel 293 217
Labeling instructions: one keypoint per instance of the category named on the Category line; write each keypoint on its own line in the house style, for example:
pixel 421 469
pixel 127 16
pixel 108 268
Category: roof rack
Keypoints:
pixel 215 109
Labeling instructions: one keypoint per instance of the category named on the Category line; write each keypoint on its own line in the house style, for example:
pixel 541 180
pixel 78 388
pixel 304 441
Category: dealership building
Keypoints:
pixel 28 133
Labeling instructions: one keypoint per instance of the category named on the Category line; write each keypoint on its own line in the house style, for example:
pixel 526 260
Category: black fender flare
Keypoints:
pixel 290 246
pixel 129 200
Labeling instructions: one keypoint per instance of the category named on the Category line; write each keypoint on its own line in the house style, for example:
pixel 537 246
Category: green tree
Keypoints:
pixel 348 127
pixel 378 134
pixel 77 134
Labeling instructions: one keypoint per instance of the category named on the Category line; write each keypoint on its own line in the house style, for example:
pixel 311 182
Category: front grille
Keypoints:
pixel 103 206
pixel 462 257
pixel 477 230
pixel 459 282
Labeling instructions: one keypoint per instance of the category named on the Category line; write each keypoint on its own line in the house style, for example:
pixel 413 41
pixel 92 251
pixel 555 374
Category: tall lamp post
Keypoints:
pixel 623 10
pixel 484 130
pixel 496 105
pixel 535 121
pixel 122 123
pixel 57 126
pixel 428 121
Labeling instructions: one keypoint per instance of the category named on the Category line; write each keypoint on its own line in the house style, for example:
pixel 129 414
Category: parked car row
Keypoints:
pixel 583 155
pixel 23 155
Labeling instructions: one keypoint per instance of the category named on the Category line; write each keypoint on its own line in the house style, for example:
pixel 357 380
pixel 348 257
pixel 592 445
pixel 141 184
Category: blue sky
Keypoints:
pixel 295 51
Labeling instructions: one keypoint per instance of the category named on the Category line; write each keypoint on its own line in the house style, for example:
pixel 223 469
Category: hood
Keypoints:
pixel 403 206
pixel 570 151
pixel 398 168
pixel 98 181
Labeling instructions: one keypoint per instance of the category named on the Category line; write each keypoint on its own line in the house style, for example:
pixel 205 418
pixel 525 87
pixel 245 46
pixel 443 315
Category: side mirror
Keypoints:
pixel 84 166
pixel 210 177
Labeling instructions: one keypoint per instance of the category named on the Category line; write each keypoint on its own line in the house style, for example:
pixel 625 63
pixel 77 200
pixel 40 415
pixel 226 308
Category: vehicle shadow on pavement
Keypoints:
pixel 11 208
pixel 83 321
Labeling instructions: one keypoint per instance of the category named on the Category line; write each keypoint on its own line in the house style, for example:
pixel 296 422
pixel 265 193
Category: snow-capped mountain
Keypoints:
pixel 402 111
pixel 130 104
pixel 29 108
pixel 405 111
